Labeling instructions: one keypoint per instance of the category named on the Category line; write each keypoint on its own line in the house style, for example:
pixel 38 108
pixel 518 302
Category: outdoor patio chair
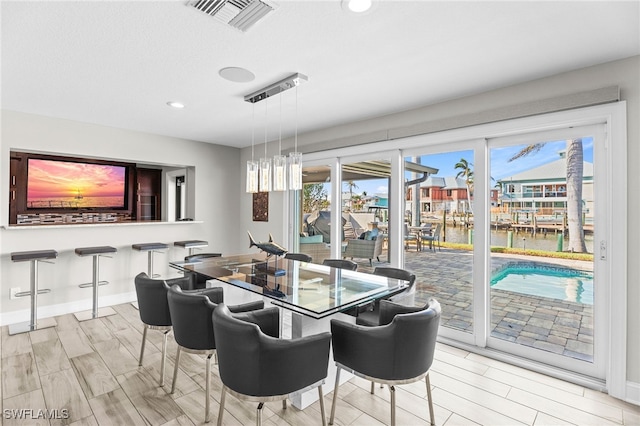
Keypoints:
pixel 410 237
pixel 365 249
pixel 433 237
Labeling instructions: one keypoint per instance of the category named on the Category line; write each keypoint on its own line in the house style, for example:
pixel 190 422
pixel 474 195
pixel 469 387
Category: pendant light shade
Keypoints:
pixel 265 162
pixel 252 176
pixel 279 173
pixel 295 171
pixel 265 175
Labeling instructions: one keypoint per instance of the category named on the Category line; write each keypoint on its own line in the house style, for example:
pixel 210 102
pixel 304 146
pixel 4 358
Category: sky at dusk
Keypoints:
pixel 67 179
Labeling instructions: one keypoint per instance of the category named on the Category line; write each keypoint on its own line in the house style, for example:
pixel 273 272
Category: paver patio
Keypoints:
pixel 552 325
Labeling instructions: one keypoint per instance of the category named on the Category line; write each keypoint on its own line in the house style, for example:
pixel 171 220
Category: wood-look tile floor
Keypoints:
pixel 87 374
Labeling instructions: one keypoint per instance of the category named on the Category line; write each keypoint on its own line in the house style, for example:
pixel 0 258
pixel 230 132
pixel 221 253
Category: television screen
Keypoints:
pixel 75 185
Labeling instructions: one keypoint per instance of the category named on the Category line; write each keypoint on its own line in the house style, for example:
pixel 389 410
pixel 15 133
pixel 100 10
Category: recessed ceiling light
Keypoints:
pixel 174 104
pixel 236 74
pixel 357 6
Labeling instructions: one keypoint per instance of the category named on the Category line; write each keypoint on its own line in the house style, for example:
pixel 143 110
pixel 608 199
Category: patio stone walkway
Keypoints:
pixel 552 325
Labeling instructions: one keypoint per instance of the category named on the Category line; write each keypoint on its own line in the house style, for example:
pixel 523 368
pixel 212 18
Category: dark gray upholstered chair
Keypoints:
pixel 341 263
pixel 302 257
pixel 200 281
pixel 399 352
pixel 255 365
pixel 154 309
pixel 200 256
pixel 192 327
pixel 370 314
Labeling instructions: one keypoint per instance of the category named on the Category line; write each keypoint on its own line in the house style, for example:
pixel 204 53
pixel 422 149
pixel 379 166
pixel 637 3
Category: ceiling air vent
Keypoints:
pixel 240 14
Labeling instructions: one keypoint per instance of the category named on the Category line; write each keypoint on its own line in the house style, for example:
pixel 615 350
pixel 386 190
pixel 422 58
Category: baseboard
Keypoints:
pixel 633 393
pixel 66 308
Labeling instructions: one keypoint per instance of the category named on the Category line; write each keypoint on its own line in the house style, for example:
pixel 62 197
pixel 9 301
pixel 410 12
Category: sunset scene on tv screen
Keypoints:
pixel 66 184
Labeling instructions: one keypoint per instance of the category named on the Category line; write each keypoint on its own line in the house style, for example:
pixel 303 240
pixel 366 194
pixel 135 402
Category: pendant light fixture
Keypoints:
pixel 265 162
pixel 252 165
pixel 260 175
pixel 280 162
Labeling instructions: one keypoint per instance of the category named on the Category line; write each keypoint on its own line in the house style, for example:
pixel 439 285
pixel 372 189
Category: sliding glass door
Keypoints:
pixel 510 226
pixel 438 232
pixel 545 283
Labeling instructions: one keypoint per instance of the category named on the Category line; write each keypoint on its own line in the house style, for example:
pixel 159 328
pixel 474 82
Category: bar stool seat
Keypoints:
pixel 91 251
pixel 96 253
pixel 34 257
pixel 191 244
pixel 150 248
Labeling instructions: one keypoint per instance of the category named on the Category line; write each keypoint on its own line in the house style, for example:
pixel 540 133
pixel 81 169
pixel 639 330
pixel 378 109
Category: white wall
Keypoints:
pixel 624 73
pixel 217 208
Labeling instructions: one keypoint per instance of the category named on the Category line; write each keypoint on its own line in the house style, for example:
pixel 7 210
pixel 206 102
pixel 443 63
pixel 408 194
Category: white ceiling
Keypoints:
pixel 118 63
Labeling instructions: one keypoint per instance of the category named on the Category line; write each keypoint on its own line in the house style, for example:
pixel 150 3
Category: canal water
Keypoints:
pixel 521 240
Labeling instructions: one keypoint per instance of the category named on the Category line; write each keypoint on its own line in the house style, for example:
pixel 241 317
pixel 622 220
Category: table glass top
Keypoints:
pixel 307 288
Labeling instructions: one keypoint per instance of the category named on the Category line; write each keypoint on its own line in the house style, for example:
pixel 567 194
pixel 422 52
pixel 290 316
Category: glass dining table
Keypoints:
pixel 313 290
pixel 312 293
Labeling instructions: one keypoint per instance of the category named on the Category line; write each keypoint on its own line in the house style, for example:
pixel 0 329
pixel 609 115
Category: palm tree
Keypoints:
pixel 575 164
pixel 466 172
pixel 351 185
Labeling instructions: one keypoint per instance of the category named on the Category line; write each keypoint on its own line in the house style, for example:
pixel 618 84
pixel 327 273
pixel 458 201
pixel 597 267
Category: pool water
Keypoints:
pixel 557 283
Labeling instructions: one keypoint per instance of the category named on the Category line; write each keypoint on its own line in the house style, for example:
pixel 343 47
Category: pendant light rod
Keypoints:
pixel 285 84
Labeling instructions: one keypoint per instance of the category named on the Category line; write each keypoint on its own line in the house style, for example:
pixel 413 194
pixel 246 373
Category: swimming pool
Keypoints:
pixel 557 283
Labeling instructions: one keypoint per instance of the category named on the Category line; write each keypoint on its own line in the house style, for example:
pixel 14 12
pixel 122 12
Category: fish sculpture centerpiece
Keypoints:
pixel 271 249
pixel 268 247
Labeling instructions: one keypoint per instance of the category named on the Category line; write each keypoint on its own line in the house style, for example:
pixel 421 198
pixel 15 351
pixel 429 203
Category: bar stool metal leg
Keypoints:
pixel 150 264
pixel 33 324
pixel 96 253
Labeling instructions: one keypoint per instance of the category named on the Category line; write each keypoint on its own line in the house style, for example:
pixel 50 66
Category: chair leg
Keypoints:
pixel 392 389
pixel 373 388
pixel 207 392
pixel 284 404
pixel 175 370
pixel 221 410
pixel 164 356
pixel 144 340
pixel 321 399
pixel 335 396
pixel 431 413
pixel 259 414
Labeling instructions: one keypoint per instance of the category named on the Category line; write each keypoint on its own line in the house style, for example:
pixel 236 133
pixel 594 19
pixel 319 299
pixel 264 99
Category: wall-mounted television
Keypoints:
pixel 63 184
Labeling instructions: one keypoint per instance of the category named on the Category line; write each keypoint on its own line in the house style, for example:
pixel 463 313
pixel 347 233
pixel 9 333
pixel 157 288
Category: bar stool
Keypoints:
pixel 150 248
pixel 34 257
pixel 191 244
pixel 96 252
